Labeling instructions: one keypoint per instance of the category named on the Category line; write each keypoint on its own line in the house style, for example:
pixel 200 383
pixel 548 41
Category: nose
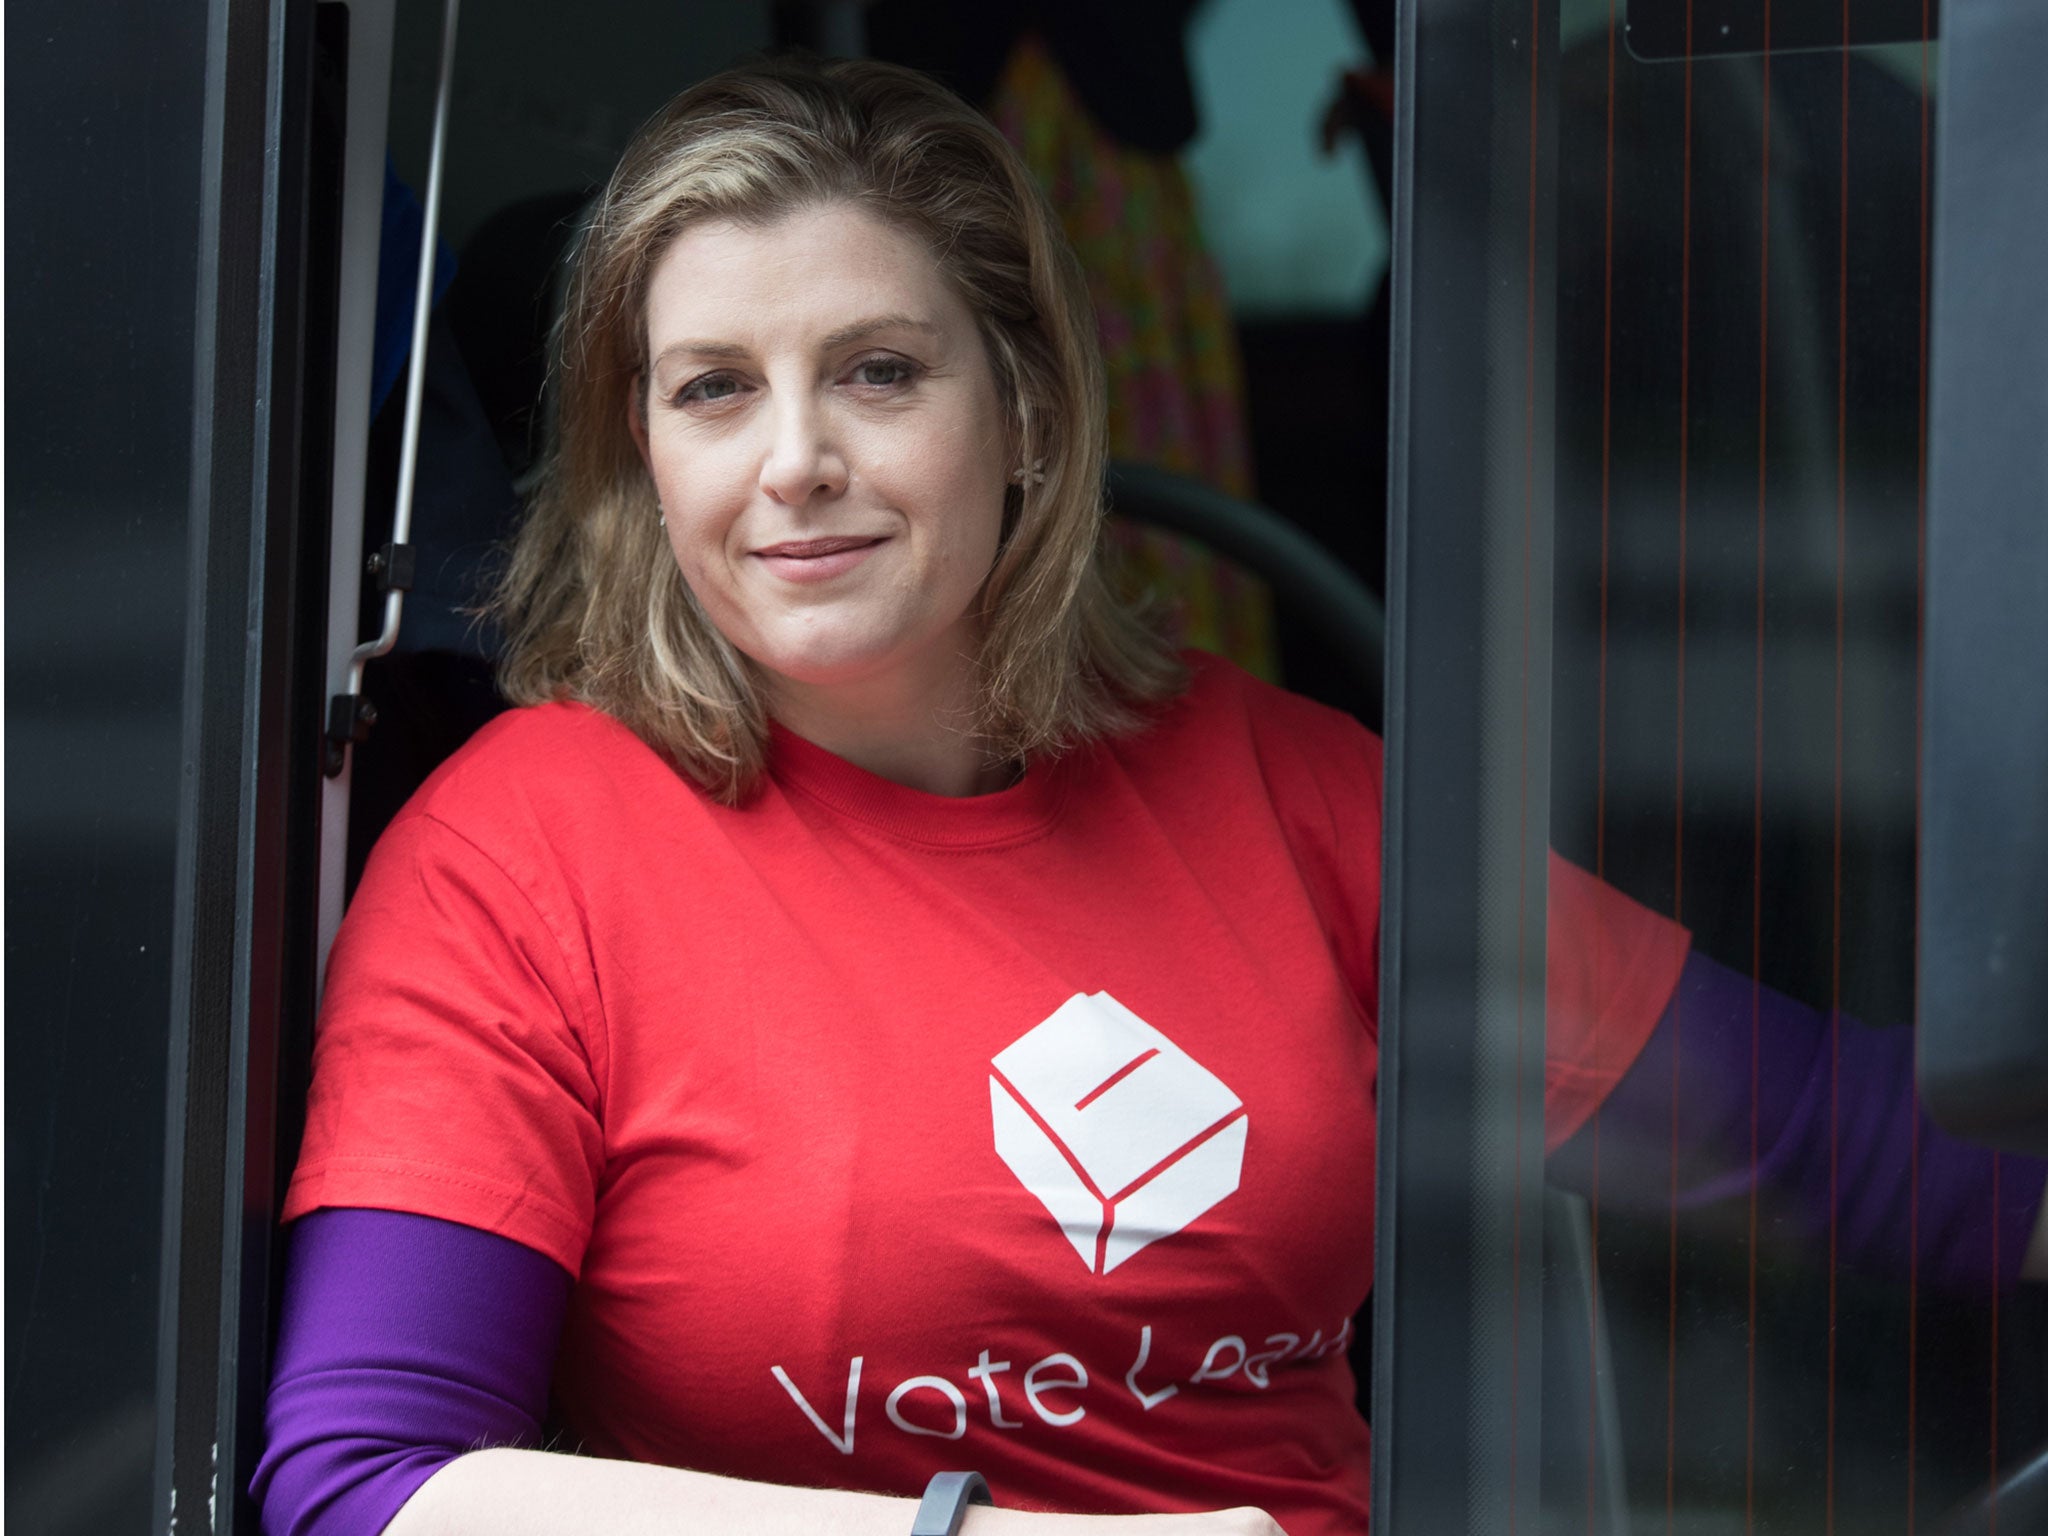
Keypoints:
pixel 803 462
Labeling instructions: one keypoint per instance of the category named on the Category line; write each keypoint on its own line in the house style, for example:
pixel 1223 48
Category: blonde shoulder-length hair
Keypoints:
pixel 591 601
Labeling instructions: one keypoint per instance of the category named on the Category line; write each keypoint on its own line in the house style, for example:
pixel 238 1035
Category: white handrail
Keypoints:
pixel 416 369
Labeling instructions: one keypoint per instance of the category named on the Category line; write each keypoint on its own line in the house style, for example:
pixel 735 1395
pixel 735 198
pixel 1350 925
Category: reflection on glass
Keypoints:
pixel 1805 1293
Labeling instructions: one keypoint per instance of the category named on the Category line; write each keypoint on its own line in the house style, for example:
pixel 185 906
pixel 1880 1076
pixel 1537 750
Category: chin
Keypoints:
pixel 860 662
pixel 832 665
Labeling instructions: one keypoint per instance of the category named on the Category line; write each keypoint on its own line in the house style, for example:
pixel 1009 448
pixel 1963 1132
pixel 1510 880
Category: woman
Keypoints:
pixel 877 1011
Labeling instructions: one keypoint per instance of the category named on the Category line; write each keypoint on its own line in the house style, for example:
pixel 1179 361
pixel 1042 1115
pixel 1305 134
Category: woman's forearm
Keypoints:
pixel 405 1341
pixel 542 1493
pixel 1822 1114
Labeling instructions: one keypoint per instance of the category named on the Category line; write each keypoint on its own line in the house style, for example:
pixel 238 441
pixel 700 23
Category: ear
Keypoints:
pixel 636 419
pixel 1017 437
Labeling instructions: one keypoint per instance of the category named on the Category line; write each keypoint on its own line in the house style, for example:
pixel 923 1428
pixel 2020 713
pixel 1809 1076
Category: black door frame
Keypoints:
pixel 249 764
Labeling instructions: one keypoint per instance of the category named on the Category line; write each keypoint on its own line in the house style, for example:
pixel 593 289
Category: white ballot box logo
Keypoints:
pixel 1124 1136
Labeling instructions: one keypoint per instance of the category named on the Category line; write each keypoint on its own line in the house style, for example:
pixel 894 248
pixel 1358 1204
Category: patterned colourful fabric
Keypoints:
pixel 1176 389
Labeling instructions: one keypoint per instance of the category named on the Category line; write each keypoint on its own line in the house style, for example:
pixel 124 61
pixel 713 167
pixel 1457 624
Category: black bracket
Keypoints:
pixel 393 567
pixel 349 718
pixel 350 715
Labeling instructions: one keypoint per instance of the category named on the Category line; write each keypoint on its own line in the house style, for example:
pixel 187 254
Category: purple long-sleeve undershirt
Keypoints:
pixel 406 1341
pixel 402 1342
pixel 1802 1084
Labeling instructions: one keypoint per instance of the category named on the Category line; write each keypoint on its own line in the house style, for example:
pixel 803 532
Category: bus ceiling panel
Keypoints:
pixel 1660 30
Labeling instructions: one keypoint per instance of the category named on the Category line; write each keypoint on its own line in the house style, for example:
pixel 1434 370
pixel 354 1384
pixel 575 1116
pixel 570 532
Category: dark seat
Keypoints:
pixel 1310 586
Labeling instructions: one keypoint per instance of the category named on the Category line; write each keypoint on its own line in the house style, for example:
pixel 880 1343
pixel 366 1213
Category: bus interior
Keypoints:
pixel 1638 413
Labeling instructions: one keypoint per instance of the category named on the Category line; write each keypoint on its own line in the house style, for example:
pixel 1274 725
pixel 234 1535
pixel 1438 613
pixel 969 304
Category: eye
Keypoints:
pixel 708 389
pixel 883 372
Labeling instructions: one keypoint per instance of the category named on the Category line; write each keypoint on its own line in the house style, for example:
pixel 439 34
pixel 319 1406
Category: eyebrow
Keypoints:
pixel 861 330
pixel 845 336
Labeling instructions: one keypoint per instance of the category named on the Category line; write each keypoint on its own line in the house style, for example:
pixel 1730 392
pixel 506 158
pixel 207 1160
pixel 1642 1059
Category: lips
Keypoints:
pixel 803 560
pixel 813 549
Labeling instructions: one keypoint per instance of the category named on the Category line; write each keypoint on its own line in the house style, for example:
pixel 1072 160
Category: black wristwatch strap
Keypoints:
pixel 945 1502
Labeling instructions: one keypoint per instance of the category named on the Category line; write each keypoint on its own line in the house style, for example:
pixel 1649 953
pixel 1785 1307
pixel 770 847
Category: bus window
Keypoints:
pixel 1661 452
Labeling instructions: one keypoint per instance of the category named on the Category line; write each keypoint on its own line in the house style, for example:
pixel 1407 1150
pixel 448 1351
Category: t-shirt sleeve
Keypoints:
pixel 1612 966
pixel 458 1055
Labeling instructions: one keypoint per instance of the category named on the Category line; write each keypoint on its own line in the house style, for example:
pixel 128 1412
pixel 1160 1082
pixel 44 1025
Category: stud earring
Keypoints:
pixel 661 519
pixel 1033 475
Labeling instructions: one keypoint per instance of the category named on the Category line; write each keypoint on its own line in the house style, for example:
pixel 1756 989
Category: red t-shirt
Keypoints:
pixel 886 1132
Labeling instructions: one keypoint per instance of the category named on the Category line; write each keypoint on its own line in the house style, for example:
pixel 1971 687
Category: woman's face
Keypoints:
pixel 824 431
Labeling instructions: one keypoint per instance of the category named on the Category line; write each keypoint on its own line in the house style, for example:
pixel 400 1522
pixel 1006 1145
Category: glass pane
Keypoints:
pixel 1804 1316
pixel 104 140
pixel 1655 596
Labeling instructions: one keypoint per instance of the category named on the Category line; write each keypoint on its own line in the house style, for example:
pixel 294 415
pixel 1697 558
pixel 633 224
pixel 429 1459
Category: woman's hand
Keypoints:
pixel 1215 1522
pixel 1224 1522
